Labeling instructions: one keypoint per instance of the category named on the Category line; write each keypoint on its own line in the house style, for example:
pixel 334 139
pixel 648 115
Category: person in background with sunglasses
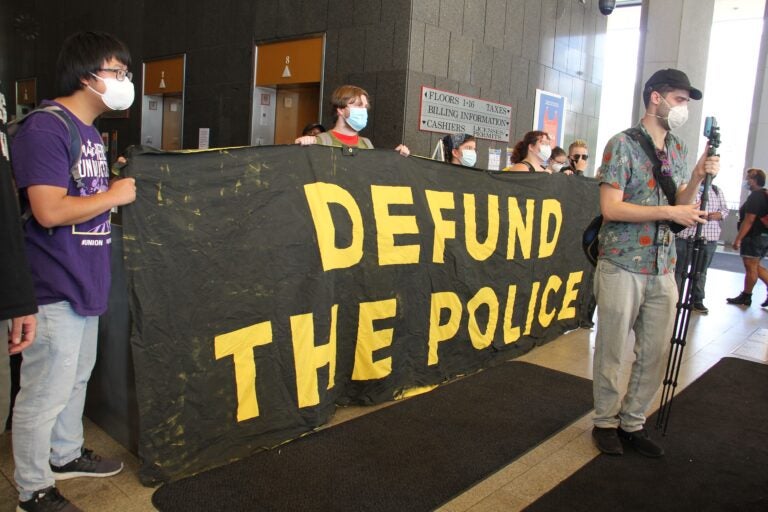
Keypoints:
pixel 578 154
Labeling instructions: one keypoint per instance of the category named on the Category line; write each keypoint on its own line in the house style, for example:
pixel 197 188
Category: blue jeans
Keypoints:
pixel 647 305
pixel 708 253
pixel 48 414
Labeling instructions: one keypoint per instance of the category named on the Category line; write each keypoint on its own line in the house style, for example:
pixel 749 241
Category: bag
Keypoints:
pixel 589 241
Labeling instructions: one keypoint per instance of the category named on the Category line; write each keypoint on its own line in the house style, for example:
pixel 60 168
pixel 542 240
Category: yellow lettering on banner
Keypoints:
pixel 571 294
pixel 319 197
pixel 483 339
pixel 550 209
pixel 511 333
pixel 370 340
pixel 437 332
pixel 444 229
pixel 481 251
pixel 545 317
pixel 532 307
pixel 519 230
pixel 308 357
pixel 388 225
pixel 239 344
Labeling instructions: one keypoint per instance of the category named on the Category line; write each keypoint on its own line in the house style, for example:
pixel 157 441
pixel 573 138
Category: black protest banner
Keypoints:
pixel 269 284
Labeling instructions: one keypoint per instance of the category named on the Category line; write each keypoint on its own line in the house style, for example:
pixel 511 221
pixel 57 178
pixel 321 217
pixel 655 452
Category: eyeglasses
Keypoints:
pixel 120 74
pixel 576 158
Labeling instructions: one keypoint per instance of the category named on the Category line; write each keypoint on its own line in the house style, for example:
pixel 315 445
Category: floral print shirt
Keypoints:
pixel 638 247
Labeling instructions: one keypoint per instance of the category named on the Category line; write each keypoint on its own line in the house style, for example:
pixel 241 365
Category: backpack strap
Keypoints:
pixel 324 139
pixel 528 165
pixel 75 149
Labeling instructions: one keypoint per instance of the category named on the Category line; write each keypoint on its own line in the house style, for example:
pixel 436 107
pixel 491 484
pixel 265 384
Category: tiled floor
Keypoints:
pixel 725 331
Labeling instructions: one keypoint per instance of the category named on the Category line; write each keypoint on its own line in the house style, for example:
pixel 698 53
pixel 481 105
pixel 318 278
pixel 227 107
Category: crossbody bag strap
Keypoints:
pixel 666 183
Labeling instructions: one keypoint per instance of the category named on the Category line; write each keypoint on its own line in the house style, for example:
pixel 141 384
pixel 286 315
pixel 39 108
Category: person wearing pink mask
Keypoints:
pixel 67 239
pixel 350 110
pixel 531 153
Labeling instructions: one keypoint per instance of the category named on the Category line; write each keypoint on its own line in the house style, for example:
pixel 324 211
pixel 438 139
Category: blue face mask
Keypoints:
pixel 468 157
pixel 358 118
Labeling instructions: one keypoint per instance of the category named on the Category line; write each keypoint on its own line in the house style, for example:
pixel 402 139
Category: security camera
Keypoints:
pixel 606 6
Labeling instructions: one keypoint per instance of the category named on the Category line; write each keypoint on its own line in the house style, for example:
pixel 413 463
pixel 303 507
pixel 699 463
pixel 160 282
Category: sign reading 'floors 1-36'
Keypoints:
pixel 448 112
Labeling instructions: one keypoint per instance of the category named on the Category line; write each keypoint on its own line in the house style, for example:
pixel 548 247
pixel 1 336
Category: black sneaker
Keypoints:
pixel 641 441
pixel 743 299
pixel 699 307
pixel 88 464
pixel 46 500
pixel 607 441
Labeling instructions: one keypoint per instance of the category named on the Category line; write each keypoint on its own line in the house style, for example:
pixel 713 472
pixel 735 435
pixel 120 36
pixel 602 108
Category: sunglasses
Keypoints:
pixel 576 158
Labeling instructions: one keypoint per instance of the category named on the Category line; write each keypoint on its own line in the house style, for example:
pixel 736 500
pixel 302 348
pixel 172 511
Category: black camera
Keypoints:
pixel 606 6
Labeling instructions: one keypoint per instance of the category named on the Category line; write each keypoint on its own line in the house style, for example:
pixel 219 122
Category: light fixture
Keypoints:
pixel 162 79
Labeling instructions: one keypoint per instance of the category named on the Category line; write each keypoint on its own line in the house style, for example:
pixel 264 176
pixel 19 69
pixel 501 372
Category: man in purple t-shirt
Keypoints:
pixel 68 246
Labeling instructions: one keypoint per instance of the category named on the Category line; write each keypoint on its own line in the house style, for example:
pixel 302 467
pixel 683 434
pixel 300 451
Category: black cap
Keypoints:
pixel 673 78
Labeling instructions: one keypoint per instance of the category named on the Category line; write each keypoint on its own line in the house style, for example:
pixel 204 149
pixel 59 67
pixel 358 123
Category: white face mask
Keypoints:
pixel 677 116
pixel 468 157
pixel 544 153
pixel 557 166
pixel 118 95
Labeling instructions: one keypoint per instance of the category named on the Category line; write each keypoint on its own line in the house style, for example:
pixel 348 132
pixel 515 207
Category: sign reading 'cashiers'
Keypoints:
pixel 448 112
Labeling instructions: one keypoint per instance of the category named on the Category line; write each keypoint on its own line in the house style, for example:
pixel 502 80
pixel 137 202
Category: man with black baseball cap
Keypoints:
pixel 635 277
pixel 673 78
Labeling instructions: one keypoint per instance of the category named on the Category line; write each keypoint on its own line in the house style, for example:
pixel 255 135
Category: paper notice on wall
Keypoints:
pixel 494 159
pixel 203 138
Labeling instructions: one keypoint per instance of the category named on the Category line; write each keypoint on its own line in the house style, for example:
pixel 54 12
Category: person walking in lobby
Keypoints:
pixel 752 239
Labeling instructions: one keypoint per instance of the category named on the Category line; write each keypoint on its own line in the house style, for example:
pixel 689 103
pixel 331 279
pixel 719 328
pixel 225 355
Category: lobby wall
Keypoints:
pixel 503 50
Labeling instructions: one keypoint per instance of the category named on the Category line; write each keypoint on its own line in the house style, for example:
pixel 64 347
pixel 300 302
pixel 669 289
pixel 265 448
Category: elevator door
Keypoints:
pixel 296 107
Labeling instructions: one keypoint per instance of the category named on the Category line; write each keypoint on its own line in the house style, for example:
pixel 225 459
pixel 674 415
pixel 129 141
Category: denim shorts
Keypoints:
pixel 754 246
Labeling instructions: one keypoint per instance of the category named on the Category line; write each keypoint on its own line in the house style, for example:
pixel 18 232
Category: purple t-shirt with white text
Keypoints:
pixel 71 263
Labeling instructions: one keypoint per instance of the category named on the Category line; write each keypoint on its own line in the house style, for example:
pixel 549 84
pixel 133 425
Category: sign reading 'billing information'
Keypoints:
pixel 447 112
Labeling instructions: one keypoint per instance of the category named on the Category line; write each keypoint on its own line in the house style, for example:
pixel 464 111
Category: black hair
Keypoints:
pixel 557 151
pixel 84 53
pixel 454 141
pixel 312 126
pixel 661 89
